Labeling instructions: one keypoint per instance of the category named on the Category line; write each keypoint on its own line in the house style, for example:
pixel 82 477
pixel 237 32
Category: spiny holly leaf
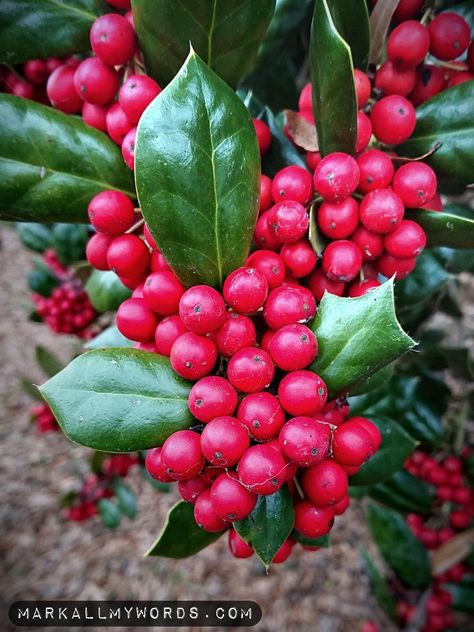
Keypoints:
pixel 119 400
pixel 106 291
pixel 110 337
pixel 446 119
pixel 181 537
pixel 27 31
pixel 402 551
pixel 197 173
pixel 357 337
pixel 454 227
pixel 269 524
pixel 52 164
pixel 396 446
pixel 226 34
pixel 331 71
pixel 380 587
pixel 48 361
pixel 403 492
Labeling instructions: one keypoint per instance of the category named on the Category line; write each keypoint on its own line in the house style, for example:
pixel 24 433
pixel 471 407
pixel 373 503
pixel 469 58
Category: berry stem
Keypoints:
pixel 135 226
pixel 298 487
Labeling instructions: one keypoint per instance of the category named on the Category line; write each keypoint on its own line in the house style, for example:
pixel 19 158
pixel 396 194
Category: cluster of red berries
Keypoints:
pixel 98 486
pixel 44 419
pixel 68 309
pixel 406 72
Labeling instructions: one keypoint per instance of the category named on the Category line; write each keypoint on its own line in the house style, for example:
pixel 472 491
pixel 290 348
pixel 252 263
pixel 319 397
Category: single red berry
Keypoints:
pixel 283 552
pixel 305 101
pixel 293 347
pixel 95 82
pixel 393 79
pixel 338 220
pixel 325 483
pixel 336 177
pixel 162 292
pixel 167 332
pixel 94 115
pixel 360 288
pixel 415 183
pixel 352 444
pixel 262 469
pixel 460 519
pixel 369 243
pixel 128 256
pixel 193 356
pixel 406 241
pixel 202 309
pixel 96 251
pixel 287 305
pixel 299 258
pixel 61 91
pixel 182 455
pixel 136 93
pixel 263 236
pixel 112 39
pixel 364 131
pixel 262 414
pixel 205 516
pixel 264 135
pixel 450 35
pixel 111 212
pixel 36 71
pixel 388 265
pixel 224 440
pixel 342 260
pixel 238 331
pixel 230 499
pixel 155 467
pixel 406 9
pixel 362 87
pixel 190 488
pixel 376 170
pixel 118 125
pixel 238 547
pixel 292 183
pixel 318 283
pixel 312 521
pixel 265 199
pixel 393 119
pixel 287 221
pixel 269 264
pixel 372 429
pixel 381 210
pixel 245 290
pixel 128 148
pixel 250 370
pixel 302 393
pixel 135 320
pixel 408 43
pixel 429 82
pixel 305 441
pixel 121 5
pixel 212 397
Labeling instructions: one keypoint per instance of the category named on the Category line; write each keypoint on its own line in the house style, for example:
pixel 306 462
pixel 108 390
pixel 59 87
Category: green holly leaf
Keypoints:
pixel 37 237
pixel 180 536
pixel 52 164
pixel 119 400
pixel 323 541
pixel 357 337
pixel 453 227
pixel 202 209
pixel 41 280
pixel 109 513
pixel 403 492
pixel 126 499
pixel 463 596
pixel 269 524
pixel 70 241
pixel 48 361
pixel 351 20
pixel 380 587
pixel 106 291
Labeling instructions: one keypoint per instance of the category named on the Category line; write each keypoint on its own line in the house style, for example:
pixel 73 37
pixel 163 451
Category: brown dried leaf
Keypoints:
pixel 379 22
pixel 303 133
pixel 452 552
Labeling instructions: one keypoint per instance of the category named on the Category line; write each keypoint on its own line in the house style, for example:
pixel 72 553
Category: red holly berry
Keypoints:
pixel 292 183
pixel 230 499
pixel 299 258
pixel 338 220
pixel 408 43
pixel 381 210
pixel 269 264
pixel 287 221
pixel 117 123
pixel 364 131
pixel 287 305
pixel 376 170
pixel 342 260
pixel 406 241
pixel 450 35
pixel 167 332
pixel 237 332
pixel 336 177
pixel 224 440
pixel 135 320
pixel 429 81
pixel 96 251
pixel 305 101
pixel 262 414
pixel 128 148
pixel 112 39
pixel 325 483
pixel 312 521
pixel 415 183
pixel 283 552
pixel 362 87
pixel 318 283
pixel 360 288
pixel 393 79
pixel 111 212
pixel 62 92
pixel 245 290
pixel 182 455
pixel 136 93
pixel 128 256
pixel 162 292
pixel 305 441
pixel 250 370
pixel 263 236
pixel 262 469
pixel 95 82
pixel 193 356
pixel 393 119
pixel 205 516
pixel 264 135
pixel 190 488
pixel 94 115
pixel 238 547
pixel 302 393
pixel 155 466
pixel 212 397
pixel 388 265
pixel 293 347
pixel 352 444
pixel 202 309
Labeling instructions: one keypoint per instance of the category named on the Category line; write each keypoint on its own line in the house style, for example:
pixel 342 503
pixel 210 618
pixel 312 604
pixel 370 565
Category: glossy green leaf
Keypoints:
pixel 119 400
pixel 282 152
pixel 37 237
pixel 110 337
pixel 402 551
pixel 106 291
pixel 403 492
pixel 70 241
pixel 448 228
pixel 357 337
pixel 52 164
pixel 180 536
pixel 463 596
pixel 428 277
pixel 331 71
pixel 225 34
pixel 109 513
pixel 41 280
pixel 447 119
pixel 32 29
pixel 323 541
pixel 396 446
pixel 197 174
pixel 380 587
pixel 269 524
pixel 48 361
pixel 375 381
pixel 126 499
pixel 351 20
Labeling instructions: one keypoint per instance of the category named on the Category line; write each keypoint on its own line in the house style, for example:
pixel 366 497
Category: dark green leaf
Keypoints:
pixel 457 260
pixel 334 97
pixel 119 400
pixel 269 524
pixel 402 551
pixel 68 499
pixel 446 228
pixel 322 542
pixel 37 237
pixel 463 596
pixel 357 337
pixel 351 20
pixel 396 446
pixel 379 22
pixel 52 164
pixel 106 291
pixel 70 241
pixel 225 34
pixel 110 337
pixel 47 361
pixel 32 29
pixel 380 587
pixel 197 174
pixel 428 277
pixel 31 390
pixel 447 119
pixel 180 536
pixel 282 152
pixel 403 492
pixel 42 280
pixel 375 381
pixel 109 512
pixel 126 499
